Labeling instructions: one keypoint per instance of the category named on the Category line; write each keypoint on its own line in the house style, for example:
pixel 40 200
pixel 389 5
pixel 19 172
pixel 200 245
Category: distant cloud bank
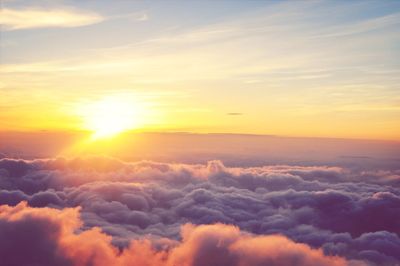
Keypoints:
pixel 150 213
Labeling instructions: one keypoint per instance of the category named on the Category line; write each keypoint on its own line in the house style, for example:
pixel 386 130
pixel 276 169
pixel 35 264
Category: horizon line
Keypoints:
pixel 77 131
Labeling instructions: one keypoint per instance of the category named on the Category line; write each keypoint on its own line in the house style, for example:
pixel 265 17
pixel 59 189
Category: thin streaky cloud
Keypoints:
pixel 135 16
pixel 377 23
pixel 30 18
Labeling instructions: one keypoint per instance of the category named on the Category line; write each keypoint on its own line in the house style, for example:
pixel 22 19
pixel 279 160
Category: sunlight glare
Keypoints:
pixel 110 116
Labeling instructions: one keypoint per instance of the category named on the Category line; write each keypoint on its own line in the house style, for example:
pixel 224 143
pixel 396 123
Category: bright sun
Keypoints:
pixel 110 116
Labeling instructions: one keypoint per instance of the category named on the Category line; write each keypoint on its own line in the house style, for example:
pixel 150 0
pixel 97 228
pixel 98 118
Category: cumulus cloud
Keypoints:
pixel 331 214
pixel 56 243
pixel 15 19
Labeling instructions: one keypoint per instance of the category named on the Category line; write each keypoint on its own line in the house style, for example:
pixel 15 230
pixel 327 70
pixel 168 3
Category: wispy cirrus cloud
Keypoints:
pixel 135 16
pixel 30 18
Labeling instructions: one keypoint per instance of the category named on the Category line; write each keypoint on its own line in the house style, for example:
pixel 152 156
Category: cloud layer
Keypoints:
pixel 182 214
pixel 57 244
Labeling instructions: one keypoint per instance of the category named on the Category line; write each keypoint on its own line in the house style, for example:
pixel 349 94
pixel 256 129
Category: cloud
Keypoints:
pixel 135 16
pixel 16 19
pixel 234 114
pixel 363 26
pixel 57 243
pixel 225 245
pixel 341 212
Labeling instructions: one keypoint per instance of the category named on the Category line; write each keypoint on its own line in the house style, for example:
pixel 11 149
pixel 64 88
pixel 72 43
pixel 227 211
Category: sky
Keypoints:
pixel 299 68
pixel 193 133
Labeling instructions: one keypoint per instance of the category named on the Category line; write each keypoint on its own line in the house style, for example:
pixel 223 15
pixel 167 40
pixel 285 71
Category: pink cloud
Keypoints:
pixel 47 236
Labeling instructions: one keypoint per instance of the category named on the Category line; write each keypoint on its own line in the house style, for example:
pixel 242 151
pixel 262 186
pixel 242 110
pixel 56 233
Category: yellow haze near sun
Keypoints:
pixel 110 116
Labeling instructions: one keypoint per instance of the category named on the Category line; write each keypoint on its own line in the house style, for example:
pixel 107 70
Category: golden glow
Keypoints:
pixel 190 79
pixel 110 116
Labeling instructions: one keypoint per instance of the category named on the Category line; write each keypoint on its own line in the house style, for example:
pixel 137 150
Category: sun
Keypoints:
pixel 110 116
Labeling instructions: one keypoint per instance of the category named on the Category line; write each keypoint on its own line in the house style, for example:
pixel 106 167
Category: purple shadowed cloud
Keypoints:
pixel 183 214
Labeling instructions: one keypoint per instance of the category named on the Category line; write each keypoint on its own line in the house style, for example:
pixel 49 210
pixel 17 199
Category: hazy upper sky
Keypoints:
pixel 315 68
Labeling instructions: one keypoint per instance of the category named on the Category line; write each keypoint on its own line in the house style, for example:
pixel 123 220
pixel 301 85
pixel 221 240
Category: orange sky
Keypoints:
pixel 257 68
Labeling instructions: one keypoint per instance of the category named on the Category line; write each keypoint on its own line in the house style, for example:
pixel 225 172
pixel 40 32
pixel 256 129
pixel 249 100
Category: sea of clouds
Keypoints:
pixel 103 211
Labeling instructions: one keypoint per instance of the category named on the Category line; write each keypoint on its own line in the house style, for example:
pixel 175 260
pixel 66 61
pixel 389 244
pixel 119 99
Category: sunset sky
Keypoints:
pixel 300 68
pixel 200 133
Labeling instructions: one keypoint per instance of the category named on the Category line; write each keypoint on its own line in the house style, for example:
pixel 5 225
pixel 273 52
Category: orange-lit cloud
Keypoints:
pixel 54 237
